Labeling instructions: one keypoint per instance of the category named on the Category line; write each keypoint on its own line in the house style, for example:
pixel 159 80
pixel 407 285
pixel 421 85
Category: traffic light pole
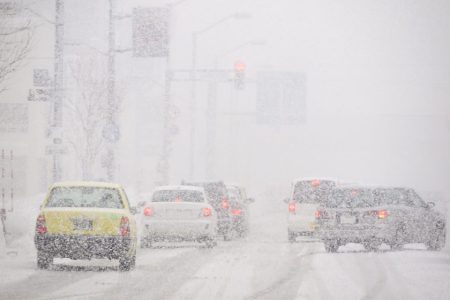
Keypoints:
pixel 193 107
pixel 211 121
pixel 111 117
pixel 58 87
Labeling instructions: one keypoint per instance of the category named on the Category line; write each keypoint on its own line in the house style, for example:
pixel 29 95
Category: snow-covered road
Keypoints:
pixel 238 270
pixel 263 266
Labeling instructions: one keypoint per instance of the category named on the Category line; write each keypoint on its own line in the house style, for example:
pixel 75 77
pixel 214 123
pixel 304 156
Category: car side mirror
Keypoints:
pixel 249 200
pixel 133 210
pixel 430 205
pixel 286 200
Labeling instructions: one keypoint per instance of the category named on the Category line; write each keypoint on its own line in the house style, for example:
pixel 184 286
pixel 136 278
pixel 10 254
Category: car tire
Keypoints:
pixel 371 245
pixel 331 246
pixel 291 237
pixel 400 238
pixel 227 236
pixel 146 243
pixel 44 260
pixel 127 263
pixel 437 240
pixel 210 242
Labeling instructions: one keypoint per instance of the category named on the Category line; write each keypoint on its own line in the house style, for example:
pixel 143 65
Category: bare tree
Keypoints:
pixel 15 38
pixel 87 110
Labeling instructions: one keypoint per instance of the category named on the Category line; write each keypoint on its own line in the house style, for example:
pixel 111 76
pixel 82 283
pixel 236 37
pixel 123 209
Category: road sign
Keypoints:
pixel 40 94
pixel 151 32
pixel 41 78
pixel 281 98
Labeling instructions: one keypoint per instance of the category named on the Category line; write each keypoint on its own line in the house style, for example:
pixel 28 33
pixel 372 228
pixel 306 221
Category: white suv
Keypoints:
pixel 306 196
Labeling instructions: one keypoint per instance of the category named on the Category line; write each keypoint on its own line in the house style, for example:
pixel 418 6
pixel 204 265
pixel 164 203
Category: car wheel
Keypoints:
pixel 437 240
pixel 227 236
pixel 291 237
pixel 331 245
pixel 210 242
pixel 400 238
pixel 371 245
pixel 146 243
pixel 44 260
pixel 127 263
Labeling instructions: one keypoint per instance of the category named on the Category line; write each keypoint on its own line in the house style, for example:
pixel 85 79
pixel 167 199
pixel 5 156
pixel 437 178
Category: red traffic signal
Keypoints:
pixel 239 75
pixel 239 66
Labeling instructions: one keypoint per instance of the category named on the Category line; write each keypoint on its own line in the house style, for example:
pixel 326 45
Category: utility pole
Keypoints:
pixel 111 131
pixel 193 106
pixel 211 111
pixel 57 122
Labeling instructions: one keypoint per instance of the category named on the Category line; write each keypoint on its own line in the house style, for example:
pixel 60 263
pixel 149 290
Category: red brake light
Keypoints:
pixel 206 211
pixel 148 211
pixel 315 183
pixel 225 203
pixel 317 214
pixel 291 207
pixel 178 199
pixel 236 212
pixel 124 229
pixel 41 226
pixel 382 214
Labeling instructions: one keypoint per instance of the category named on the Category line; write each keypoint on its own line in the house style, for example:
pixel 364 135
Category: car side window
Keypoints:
pixel 416 200
pixel 124 199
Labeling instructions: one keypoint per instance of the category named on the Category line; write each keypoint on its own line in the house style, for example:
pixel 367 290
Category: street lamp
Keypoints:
pixel 195 34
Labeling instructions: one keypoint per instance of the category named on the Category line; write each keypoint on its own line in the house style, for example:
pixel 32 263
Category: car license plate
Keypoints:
pixel 82 224
pixel 348 219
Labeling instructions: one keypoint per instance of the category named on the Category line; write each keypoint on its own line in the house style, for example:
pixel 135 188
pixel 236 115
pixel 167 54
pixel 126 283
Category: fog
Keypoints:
pixel 376 95
pixel 364 98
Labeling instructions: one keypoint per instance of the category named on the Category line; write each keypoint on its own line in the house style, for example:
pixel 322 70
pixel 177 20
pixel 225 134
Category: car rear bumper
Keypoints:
pixel 302 227
pixel 83 246
pixel 355 234
pixel 185 230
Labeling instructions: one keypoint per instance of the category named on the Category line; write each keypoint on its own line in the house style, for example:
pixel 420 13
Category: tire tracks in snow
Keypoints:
pixel 287 286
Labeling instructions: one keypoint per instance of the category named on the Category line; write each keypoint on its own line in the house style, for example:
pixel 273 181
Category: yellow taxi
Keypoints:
pixel 84 220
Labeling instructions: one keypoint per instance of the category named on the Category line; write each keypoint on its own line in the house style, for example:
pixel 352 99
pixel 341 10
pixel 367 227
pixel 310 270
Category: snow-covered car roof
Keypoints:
pixel 87 184
pixel 179 187
pixel 314 178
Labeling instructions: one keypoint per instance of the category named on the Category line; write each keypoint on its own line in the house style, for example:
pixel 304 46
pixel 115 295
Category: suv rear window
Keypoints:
pixel 215 191
pixel 397 196
pixel 177 196
pixel 312 191
pixel 84 197
pixel 350 198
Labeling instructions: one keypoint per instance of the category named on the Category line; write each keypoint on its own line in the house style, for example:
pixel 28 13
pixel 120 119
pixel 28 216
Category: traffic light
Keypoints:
pixel 239 75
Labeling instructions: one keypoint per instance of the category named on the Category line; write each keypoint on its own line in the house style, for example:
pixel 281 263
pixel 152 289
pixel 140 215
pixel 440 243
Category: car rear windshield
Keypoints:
pixel 396 196
pixel 215 191
pixel 234 194
pixel 177 196
pixel 350 198
pixel 85 197
pixel 312 191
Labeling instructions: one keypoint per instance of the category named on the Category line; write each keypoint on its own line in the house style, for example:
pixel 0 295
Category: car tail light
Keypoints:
pixel 236 212
pixel 148 212
pixel 382 214
pixel 225 203
pixel 41 226
pixel 206 212
pixel 291 207
pixel 124 229
pixel 315 183
pixel 321 214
